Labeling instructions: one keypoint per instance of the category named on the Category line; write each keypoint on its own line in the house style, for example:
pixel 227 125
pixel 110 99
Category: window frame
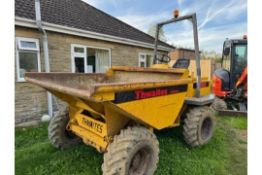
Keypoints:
pixel 75 54
pixel 145 62
pixel 19 49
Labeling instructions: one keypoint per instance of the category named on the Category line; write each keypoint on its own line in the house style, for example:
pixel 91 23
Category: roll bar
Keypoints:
pixel 193 19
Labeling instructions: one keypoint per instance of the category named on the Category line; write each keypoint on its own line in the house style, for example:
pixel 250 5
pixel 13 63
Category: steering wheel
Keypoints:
pixel 165 58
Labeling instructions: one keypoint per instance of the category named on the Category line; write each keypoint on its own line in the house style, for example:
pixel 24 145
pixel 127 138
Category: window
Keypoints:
pixel 226 61
pixel 240 54
pixel 79 59
pixel 240 60
pixel 87 59
pixel 145 60
pixel 27 57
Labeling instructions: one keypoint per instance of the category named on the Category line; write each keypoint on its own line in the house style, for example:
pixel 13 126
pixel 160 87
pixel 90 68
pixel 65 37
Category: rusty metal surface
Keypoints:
pixel 142 69
pixel 75 84
pixel 122 78
pixel 129 77
pixel 121 86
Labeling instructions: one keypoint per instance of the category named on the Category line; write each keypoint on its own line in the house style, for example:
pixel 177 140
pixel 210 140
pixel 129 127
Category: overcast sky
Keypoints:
pixel 217 19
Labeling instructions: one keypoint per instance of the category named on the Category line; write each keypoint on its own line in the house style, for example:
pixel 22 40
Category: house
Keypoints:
pixel 81 39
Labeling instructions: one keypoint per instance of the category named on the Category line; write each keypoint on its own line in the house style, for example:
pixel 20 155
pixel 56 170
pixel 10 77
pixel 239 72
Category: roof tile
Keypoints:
pixel 80 15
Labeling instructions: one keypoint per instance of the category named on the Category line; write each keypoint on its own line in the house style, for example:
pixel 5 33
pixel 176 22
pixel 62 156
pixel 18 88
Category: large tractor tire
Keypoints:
pixel 198 126
pixel 219 104
pixel 133 152
pixel 57 133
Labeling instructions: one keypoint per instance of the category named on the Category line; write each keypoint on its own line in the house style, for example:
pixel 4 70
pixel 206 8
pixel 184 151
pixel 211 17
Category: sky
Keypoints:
pixel 217 19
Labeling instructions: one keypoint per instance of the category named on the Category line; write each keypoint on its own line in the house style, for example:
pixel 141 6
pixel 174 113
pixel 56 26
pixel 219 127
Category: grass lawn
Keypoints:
pixel 226 154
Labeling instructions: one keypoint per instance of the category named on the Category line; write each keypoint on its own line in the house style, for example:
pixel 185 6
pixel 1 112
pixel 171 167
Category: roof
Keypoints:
pixel 80 15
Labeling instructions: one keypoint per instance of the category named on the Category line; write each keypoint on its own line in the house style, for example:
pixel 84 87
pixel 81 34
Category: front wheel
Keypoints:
pixel 133 152
pixel 198 126
pixel 59 136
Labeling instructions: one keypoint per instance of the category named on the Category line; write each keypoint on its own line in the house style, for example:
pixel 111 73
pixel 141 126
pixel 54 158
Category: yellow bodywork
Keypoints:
pixel 101 105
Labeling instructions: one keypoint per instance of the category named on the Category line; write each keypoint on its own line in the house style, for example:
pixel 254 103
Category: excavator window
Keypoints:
pixel 239 59
pixel 226 60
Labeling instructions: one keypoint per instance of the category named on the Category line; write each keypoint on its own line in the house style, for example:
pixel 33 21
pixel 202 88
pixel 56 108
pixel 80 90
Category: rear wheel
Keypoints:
pixel 133 152
pixel 198 126
pixel 57 133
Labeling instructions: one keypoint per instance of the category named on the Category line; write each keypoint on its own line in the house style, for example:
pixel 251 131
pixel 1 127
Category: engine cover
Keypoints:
pixel 221 82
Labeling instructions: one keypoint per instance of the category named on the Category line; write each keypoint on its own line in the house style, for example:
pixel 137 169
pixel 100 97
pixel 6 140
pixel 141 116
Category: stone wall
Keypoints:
pixel 30 100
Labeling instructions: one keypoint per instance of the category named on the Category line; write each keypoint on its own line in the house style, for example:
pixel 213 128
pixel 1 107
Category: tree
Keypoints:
pixel 152 32
pixel 211 55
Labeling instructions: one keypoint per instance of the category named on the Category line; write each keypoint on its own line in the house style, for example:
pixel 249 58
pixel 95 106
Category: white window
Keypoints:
pixel 27 56
pixel 79 59
pixel 145 60
pixel 87 59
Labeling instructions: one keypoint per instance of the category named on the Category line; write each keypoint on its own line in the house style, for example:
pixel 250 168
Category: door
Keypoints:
pixel 79 64
pixel 79 59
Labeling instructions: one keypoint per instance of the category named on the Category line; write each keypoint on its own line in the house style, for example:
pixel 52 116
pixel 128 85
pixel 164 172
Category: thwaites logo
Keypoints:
pixel 141 94
pixel 122 97
pixel 96 126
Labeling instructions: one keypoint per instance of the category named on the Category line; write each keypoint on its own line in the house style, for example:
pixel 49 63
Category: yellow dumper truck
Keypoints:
pixel 118 111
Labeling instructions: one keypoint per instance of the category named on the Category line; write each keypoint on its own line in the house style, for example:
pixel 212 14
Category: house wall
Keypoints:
pixel 30 100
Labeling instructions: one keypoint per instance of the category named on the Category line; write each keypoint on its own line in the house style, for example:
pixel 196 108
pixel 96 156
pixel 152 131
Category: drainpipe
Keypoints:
pixel 46 53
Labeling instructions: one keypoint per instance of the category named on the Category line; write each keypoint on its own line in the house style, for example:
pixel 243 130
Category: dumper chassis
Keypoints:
pixel 118 111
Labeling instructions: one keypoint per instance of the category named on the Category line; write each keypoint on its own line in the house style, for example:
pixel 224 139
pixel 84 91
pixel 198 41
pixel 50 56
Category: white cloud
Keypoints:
pixel 180 2
pixel 220 14
pixel 94 3
pixel 215 10
pixel 209 38
pixel 100 3
pixel 143 22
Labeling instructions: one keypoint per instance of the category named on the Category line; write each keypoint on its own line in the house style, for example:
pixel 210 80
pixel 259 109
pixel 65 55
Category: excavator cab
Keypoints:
pixel 234 59
pixel 230 81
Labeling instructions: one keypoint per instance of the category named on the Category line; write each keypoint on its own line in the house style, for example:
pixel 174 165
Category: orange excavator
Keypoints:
pixel 230 81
